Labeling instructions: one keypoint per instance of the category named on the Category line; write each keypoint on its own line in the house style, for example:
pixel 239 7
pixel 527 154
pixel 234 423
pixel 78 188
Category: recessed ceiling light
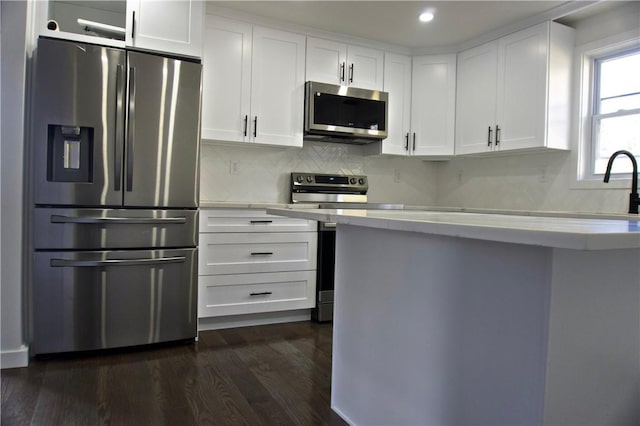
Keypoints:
pixel 426 17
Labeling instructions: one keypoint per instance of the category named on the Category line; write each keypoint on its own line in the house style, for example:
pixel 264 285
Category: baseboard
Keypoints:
pixel 233 321
pixel 15 359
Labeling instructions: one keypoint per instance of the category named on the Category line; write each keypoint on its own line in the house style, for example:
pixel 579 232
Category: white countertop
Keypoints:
pixel 559 232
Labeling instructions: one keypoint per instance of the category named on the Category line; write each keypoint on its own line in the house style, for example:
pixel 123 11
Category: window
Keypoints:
pixel 615 118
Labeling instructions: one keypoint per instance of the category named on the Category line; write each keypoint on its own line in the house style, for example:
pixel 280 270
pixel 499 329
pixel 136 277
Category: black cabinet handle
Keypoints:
pixel 414 141
pixel 497 135
pixel 246 123
pixel 262 293
pixel 261 221
pixel 351 73
pixel 261 253
pixel 406 144
pixel 255 126
pixel 489 137
pixel 342 67
pixel 133 24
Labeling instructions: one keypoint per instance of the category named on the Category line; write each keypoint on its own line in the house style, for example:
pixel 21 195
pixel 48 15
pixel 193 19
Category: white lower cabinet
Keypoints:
pixel 252 263
pixel 235 294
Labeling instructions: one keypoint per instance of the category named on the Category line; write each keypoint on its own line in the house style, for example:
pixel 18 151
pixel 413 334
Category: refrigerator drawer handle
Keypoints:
pixel 119 220
pixel 57 263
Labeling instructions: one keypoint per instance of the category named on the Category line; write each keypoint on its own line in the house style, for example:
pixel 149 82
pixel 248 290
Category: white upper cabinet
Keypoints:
pixel 421 118
pixel 166 25
pixel 348 65
pixel 226 80
pixel 514 93
pixel 277 87
pixel 171 26
pixel 253 84
pixel 397 82
pixel 433 105
pixel 476 98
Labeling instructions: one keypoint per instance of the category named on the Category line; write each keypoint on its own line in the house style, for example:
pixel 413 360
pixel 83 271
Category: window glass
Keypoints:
pixel 616 109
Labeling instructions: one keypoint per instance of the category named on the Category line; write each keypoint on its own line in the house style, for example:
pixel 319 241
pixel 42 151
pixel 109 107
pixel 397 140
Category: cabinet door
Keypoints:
pixel 277 87
pixel 226 80
pixel 326 61
pixel 476 99
pixel 166 25
pixel 235 294
pixel 397 82
pixel 229 253
pixel 433 105
pixel 522 88
pixel 365 67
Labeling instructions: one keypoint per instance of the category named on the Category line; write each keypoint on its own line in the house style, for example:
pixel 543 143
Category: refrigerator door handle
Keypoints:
pixel 119 220
pixel 120 87
pixel 59 263
pixel 130 127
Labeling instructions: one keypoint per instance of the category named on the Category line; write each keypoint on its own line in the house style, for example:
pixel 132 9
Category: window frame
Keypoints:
pixel 595 114
pixel 585 100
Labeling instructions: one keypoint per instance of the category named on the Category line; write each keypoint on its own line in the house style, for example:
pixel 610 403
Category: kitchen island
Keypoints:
pixel 461 318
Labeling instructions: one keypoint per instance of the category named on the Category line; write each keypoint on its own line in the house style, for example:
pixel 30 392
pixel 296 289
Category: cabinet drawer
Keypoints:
pixel 222 295
pixel 250 220
pixel 227 253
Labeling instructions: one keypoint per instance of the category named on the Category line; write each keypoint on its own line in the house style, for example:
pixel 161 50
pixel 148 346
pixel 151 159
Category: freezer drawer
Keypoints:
pixel 108 299
pixel 86 229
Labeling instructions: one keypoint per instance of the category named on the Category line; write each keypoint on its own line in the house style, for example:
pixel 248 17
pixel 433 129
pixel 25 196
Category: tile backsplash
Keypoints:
pixel 532 181
pixel 262 174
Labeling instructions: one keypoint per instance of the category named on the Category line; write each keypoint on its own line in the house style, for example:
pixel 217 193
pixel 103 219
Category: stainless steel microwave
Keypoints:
pixel 345 114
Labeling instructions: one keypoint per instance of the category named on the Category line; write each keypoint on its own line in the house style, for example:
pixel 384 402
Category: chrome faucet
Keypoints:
pixel 634 200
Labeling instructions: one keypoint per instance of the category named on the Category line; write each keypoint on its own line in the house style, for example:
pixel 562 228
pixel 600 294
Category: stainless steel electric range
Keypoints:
pixel 330 191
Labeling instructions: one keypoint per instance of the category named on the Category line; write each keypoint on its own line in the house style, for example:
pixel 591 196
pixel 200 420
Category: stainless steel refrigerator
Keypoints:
pixel 114 183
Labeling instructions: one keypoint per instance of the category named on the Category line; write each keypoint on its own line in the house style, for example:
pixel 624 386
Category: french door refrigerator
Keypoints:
pixel 114 183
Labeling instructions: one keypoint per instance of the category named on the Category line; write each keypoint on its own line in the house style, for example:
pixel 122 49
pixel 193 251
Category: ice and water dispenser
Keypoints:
pixel 70 154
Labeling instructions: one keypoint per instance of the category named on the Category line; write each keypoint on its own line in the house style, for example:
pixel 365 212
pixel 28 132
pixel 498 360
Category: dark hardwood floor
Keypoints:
pixel 265 375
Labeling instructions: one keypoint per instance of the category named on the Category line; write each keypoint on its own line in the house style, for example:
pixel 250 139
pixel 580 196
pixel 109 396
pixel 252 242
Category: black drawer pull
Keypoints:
pixel 262 253
pixel 262 293
pixel 261 221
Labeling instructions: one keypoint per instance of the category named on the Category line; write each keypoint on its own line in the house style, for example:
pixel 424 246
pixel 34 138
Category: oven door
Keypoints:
pixel 323 311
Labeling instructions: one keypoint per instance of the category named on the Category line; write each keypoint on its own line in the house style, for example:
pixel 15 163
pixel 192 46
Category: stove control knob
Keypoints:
pixel 309 179
pixel 361 181
pixel 299 179
pixel 352 181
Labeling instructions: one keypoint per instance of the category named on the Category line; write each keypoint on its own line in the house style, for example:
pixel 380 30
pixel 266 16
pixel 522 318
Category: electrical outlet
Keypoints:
pixel 543 174
pixel 396 175
pixel 234 169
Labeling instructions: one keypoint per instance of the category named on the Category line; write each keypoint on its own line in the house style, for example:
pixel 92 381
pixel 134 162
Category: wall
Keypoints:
pixel 255 173
pixel 13 16
pixel 538 181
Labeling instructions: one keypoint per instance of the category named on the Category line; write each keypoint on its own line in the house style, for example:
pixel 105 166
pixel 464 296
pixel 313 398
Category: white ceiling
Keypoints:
pixel 396 22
